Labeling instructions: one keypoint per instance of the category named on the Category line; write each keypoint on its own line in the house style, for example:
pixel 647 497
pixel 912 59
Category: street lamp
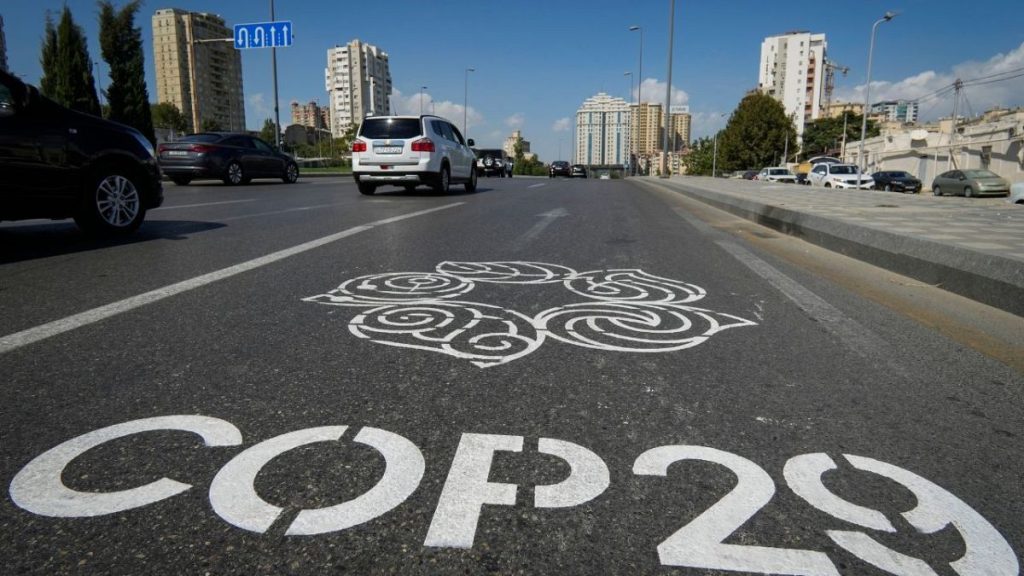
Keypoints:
pixel 867 90
pixel 668 89
pixel 422 88
pixel 640 72
pixel 465 105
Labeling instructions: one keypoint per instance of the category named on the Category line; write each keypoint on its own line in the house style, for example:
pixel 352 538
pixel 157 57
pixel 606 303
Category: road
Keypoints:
pixel 543 377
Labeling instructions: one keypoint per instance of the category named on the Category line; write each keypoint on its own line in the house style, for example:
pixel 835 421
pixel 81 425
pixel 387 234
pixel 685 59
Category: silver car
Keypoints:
pixel 970 183
pixel 1017 193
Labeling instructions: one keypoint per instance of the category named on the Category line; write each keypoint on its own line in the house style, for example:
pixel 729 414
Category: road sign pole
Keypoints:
pixel 277 109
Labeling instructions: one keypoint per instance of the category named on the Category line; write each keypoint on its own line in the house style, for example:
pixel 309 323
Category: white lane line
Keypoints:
pixel 206 204
pixel 546 219
pixel 537 185
pixel 285 211
pixel 32 335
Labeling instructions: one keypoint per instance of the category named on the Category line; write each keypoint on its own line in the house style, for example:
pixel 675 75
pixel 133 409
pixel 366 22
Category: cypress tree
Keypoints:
pixel 121 46
pixel 67 68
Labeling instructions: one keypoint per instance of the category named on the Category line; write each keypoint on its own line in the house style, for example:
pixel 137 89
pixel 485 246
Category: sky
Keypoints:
pixel 536 62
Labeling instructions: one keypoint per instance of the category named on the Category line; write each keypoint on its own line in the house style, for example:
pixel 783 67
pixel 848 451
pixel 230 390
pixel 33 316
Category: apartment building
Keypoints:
pixel 680 121
pixel 311 114
pixel 838 109
pixel 3 46
pixel 203 79
pixel 510 144
pixel 645 128
pixel 904 111
pixel 793 72
pixel 358 80
pixel 602 131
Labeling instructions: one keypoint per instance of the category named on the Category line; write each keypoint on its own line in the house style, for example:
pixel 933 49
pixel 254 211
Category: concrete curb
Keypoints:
pixel 987 278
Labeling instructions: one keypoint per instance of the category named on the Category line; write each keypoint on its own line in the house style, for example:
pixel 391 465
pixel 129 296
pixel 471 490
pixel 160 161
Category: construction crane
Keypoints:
pixel 830 80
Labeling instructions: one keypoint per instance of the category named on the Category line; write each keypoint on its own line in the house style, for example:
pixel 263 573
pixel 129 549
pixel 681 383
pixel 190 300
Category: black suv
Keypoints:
pixel 493 162
pixel 559 168
pixel 57 163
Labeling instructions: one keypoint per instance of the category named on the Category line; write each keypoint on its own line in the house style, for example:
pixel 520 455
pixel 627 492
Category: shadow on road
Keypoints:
pixel 19 243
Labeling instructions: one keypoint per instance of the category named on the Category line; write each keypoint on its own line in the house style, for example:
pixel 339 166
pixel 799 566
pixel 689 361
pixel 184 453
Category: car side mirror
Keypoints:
pixel 471 142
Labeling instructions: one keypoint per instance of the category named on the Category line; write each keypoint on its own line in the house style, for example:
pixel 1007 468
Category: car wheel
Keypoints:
pixel 234 176
pixel 888 188
pixel 828 184
pixel 111 205
pixel 471 185
pixel 936 191
pixel 968 192
pixel 181 180
pixel 443 180
pixel 291 174
pixel 367 189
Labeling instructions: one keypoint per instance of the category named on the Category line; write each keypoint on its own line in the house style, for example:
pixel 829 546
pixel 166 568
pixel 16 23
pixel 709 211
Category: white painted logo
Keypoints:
pixel 620 311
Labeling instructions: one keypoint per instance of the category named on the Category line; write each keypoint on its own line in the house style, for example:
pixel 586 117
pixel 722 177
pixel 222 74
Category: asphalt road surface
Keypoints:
pixel 543 377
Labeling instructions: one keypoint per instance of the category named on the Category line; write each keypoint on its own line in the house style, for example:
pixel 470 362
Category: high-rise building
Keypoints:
pixel 358 81
pixel 645 128
pixel 311 115
pixel 679 136
pixel 510 144
pixel 602 131
pixel 793 72
pixel 203 79
pixel 896 111
pixel 3 46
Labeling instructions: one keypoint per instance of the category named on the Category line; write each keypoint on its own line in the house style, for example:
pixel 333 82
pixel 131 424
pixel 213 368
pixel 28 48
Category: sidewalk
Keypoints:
pixel 971 246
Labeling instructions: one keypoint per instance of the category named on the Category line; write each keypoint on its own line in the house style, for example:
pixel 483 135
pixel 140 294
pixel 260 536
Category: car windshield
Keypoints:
pixel 779 172
pixel 980 174
pixel 899 175
pixel 390 128
pixel 843 169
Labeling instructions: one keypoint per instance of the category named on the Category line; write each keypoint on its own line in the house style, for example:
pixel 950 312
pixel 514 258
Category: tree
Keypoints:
pixel 121 45
pixel 67 68
pixel 756 134
pixel 167 116
pixel 825 135
pixel 269 132
pixel 210 125
pixel 699 161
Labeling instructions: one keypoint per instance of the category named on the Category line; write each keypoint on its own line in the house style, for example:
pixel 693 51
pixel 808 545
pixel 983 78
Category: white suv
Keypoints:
pixel 408 151
pixel 839 176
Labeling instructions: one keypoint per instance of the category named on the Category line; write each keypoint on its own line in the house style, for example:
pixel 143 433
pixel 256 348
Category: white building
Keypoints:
pixel 994 142
pixel 793 72
pixel 896 111
pixel 602 131
pixel 358 81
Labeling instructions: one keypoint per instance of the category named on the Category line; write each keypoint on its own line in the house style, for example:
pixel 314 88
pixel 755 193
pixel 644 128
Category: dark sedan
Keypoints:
pixel 896 181
pixel 559 168
pixel 233 158
pixel 57 163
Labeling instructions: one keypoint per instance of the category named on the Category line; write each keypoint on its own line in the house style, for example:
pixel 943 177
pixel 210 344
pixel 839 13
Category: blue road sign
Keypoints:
pixel 263 35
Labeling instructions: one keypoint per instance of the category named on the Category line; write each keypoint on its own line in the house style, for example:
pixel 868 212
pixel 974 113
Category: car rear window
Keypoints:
pixel 203 138
pixel 489 152
pixel 390 128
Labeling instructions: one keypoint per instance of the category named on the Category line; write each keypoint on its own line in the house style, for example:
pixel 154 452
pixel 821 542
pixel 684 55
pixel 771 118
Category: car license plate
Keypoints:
pixel 177 152
pixel 388 150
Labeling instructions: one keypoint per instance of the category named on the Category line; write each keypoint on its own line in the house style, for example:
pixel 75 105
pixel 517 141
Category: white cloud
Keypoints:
pixel 561 125
pixel 410 105
pixel 259 107
pixel 1008 93
pixel 654 91
pixel 707 124
pixel 515 121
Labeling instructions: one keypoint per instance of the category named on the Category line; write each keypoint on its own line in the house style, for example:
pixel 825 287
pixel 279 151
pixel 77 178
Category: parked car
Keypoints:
pixel 749 174
pixel 578 171
pixel 233 158
pixel 408 151
pixel 559 168
pixel 804 168
pixel 493 162
pixel 57 163
pixel 896 181
pixel 970 183
pixel 780 174
pixel 839 176
pixel 1016 193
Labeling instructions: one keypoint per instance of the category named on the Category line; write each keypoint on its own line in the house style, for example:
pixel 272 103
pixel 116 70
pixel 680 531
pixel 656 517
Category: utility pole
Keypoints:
pixel 668 87
pixel 842 151
pixel 958 85
pixel 277 110
pixel 190 32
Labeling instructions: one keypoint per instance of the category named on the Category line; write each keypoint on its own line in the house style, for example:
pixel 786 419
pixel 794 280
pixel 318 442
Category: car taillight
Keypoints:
pixel 200 148
pixel 161 149
pixel 423 145
pixel 359 146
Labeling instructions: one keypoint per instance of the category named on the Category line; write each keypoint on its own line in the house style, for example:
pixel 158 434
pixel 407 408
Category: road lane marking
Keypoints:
pixel 546 219
pixel 285 211
pixel 206 204
pixel 537 185
pixel 32 335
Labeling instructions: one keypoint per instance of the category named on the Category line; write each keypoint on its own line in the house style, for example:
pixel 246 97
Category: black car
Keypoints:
pixel 559 168
pixel 233 158
pixel 57 163
pixel 493 162
pixel 896 181
pixel 578 171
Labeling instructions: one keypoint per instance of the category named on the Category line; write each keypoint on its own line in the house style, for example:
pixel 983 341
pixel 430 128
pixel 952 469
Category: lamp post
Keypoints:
pixel 668 89
pixel 465 105
pixel 422 88
pixel 640 72
pixel 867 91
